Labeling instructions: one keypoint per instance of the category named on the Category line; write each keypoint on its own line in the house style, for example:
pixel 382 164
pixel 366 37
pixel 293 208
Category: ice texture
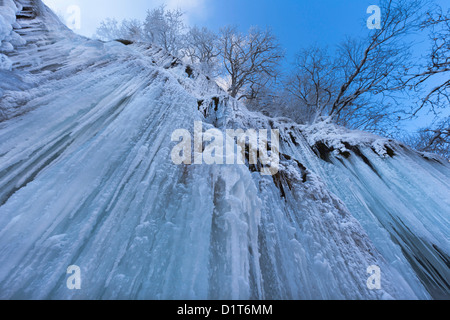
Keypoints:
pixel 86 179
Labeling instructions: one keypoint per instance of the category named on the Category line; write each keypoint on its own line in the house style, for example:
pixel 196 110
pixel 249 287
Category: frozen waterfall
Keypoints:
pixel 86 179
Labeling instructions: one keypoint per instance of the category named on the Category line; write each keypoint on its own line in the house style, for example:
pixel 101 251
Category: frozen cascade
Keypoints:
pixel 86 179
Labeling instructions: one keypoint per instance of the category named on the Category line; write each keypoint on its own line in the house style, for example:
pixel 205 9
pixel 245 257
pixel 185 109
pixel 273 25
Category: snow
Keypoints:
pixel 7 18
pixel 8 37
pixel 399 196
pixel 86 179
pixel 5 63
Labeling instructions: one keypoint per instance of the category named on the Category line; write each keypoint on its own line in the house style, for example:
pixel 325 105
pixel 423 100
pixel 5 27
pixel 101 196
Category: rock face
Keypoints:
pixel 86 179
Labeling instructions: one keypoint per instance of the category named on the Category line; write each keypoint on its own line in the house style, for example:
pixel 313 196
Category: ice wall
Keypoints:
pixel 86 179
pixel 8 37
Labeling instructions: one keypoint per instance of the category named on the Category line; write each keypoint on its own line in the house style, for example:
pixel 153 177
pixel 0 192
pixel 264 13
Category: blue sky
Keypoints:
pixel 297 23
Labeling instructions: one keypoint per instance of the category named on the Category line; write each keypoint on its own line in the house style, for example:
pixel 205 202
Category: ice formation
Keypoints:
pixel 86 179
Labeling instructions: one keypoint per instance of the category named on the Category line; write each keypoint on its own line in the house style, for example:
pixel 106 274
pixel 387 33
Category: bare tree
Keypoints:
pixel 376 66
pixel 165 28
pixel 361 84
pixel 433 140
pixel 251 60
pixel 432 85
pixel 201 47
pixel 313 83
pixel 437 66
pixel 162 27
pixel 132 30
pixel 110 29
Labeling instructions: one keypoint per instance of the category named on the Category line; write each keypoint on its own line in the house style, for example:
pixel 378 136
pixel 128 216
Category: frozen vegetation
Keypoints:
pixel 86 179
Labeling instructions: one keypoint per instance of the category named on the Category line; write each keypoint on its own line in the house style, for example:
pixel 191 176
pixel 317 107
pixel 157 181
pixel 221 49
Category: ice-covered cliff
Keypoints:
pixel 87 179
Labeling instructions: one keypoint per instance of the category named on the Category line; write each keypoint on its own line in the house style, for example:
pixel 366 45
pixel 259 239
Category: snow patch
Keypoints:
pixel 5 62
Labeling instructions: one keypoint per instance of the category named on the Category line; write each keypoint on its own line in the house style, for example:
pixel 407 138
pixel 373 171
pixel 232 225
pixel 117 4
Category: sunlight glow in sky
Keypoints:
pixel 93 12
